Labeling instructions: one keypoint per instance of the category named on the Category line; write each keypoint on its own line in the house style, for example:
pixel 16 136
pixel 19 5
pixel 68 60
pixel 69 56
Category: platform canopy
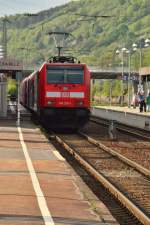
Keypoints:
pixel 111 73
pixel 7 65
pixel 144 71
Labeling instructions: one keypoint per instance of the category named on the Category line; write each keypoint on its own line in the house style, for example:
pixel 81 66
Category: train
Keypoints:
pixel 58 93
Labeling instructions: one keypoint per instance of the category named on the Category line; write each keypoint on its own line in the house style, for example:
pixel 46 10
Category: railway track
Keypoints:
pixel 123 128
pixel 127 181
pixel 133 146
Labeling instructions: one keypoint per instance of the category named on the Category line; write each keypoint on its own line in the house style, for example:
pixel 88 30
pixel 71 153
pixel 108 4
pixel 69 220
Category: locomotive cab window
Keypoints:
pixel 65 75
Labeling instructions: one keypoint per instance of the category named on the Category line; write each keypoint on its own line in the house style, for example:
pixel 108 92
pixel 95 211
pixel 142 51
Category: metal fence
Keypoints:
pixel 3 99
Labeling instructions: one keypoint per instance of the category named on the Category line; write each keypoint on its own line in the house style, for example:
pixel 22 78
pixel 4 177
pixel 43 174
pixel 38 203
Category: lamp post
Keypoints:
pixel 129 77
pixel 1 52
pixel 147 44
pixel 122 58
pixel 5 20
pixel 135 48
pixel 143 44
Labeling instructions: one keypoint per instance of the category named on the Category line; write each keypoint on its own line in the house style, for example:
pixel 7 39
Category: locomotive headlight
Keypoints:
pixel 80 103
pixel 50 103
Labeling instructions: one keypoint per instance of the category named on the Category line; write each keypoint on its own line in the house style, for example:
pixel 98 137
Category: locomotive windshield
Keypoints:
pixel 65 75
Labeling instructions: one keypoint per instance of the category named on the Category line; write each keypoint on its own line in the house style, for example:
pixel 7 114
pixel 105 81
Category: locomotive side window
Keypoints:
pixel 65 75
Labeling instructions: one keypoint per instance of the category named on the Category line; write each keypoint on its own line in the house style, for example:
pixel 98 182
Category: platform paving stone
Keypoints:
pixel 18 202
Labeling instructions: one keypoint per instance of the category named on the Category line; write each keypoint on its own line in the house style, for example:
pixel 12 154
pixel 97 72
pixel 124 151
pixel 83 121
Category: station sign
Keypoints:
pixel 126 78
pixel 132 77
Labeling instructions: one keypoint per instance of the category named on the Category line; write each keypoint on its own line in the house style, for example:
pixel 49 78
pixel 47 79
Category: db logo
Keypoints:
pixel 65 94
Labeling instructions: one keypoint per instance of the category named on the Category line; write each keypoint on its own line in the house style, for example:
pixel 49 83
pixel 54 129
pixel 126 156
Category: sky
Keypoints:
pixel 10 7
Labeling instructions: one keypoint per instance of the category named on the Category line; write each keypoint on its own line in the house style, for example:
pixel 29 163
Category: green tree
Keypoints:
pixel 106 88
pixel 122 2
pixel 12 86
pixel 116 90
pixel 95 90
pixel 130 20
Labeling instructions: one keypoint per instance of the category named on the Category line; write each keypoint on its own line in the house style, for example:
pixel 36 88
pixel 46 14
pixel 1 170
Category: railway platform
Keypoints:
pixel 38 186
pixel 125 115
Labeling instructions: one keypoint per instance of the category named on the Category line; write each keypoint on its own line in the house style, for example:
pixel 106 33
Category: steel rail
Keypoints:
pixel 133 132
pixel 131 163
pixel 110 187
pixel 118 127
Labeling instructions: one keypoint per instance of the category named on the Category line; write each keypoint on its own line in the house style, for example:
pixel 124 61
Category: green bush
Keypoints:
pixel 12 87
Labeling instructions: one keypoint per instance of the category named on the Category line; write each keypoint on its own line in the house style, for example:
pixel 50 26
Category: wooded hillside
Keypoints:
pixel 95 40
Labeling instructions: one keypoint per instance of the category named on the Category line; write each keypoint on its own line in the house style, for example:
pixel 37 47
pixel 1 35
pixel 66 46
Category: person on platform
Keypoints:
pixel 135 101
pixel 142 103
pixel 148 102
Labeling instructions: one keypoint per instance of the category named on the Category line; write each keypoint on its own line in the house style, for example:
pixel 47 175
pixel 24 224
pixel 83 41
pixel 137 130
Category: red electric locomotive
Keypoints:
pixel 59 93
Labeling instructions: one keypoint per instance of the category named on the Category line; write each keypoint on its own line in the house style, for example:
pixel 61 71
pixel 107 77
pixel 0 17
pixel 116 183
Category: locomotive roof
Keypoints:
pixel 62 59
pixel 60 64
pixel 51 64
